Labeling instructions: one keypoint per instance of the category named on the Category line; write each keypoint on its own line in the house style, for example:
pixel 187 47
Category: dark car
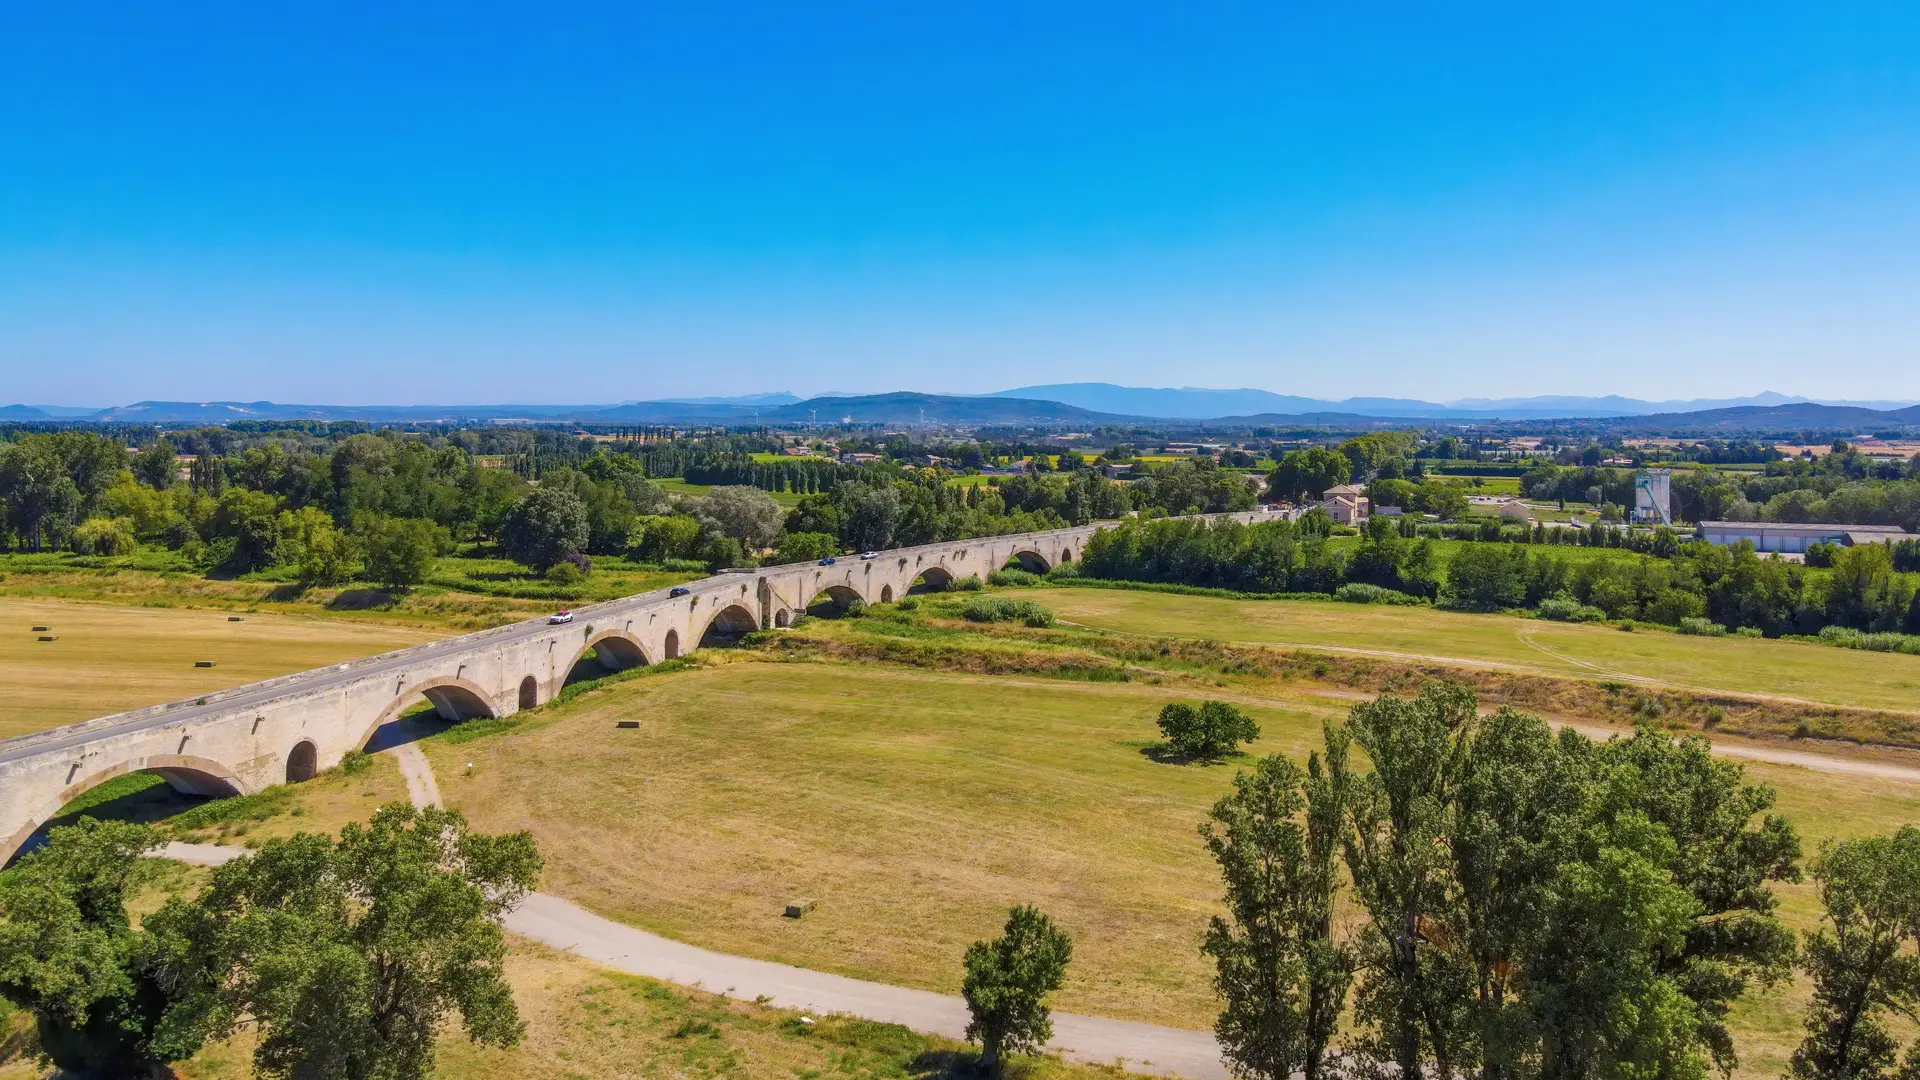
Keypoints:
pixel 828 561
pixel 678 590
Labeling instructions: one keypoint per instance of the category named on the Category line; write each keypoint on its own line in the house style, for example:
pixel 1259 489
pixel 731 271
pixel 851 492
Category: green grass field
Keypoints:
pixel 1740 665
pixel 676 486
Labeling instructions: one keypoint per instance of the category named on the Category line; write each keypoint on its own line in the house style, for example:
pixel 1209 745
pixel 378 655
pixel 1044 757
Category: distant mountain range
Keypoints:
pixel 1194 403
pixel 1064 404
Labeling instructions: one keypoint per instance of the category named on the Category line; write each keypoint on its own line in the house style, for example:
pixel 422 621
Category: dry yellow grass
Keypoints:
pixel 916 806
pixel 109 659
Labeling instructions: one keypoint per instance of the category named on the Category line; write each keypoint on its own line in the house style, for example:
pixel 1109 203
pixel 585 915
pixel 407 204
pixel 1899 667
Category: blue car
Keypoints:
pixel 677 591
pixel 828 561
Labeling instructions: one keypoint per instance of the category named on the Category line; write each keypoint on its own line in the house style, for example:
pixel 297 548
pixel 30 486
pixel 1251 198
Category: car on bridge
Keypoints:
pixel 561 616
pixel 678 590
pixel 865 555
pixel 828 561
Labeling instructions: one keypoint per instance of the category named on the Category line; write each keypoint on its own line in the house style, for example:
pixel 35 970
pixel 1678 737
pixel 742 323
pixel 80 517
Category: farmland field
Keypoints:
pixel 1741 665
pixel 111 658
pixel 676 486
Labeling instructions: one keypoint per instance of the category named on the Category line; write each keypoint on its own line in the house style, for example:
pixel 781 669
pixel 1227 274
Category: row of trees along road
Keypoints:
pixel 1528 905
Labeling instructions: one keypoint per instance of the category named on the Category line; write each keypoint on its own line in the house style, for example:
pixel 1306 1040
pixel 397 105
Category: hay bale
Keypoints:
pixel 234 618
pixel 627 724
pixel 49 637
pixel 41 629
pixel 799 907
pixel 203 663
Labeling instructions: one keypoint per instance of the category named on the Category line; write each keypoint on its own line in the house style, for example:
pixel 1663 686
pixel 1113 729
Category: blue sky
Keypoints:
pixel 391 203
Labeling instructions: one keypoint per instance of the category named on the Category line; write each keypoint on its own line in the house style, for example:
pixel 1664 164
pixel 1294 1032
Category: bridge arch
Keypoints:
pixel 727 626
pixel 932 579
pixel 886 594
pixel 613 650
pixel 454 698
pixel 182 772
pixel 303 761
pixel 832 600
pixel 1031 561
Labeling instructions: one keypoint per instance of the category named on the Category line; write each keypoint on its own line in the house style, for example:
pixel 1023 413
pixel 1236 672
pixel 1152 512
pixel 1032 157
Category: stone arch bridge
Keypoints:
pixel 251 737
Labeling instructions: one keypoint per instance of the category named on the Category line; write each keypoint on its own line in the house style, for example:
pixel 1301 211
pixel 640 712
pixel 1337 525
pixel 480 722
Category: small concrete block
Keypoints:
pixel 627 724
pixel 41 629
pixel 49 637
pixel 203 663
pixel 797 908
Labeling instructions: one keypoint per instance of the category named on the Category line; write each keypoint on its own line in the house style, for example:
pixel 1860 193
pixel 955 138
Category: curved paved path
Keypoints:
pixel 561 924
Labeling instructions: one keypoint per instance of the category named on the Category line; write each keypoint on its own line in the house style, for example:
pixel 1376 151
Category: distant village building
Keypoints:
pixel 1346 504
pixel 1515 510
pixel 1793 537
pixel 1117 470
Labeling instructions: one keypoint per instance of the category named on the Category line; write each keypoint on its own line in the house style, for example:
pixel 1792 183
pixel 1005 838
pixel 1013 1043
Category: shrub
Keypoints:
pixel 855 608
pixel 1015 577
pixel 1567 609
pixel 1212 731
pixel 1360 592
pixel 684 566
pixel 1065 571
pixel 103 536
pixel 966 584
pixel 1848 638
pixel 564 574
pixel 1006 609
pixel 908 603
pixel 1627 626
pixel 1693 624
pixel 355 762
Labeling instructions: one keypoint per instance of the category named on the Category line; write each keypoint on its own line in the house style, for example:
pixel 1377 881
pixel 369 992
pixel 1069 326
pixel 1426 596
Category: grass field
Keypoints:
pixel 111 658
pixel 917 805
pixel 1740 665
pixel 676 486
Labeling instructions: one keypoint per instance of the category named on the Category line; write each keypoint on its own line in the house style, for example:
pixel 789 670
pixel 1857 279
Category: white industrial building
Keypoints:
pixel 1794 537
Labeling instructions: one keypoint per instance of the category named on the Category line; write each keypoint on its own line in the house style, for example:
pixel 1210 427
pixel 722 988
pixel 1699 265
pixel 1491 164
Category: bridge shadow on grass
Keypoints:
pixel 411 726
pixel 141 797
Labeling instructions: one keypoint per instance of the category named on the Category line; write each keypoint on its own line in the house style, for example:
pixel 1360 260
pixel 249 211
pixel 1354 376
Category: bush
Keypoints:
pixel 684 566
pixel 1065 571
pixel 1847 638
pixel 966 584
pixel 564 574
pixel 855 608
pixel 1627 626
pixel 1360 592
pixel 1567 609
pixel 908 603
pixel 1005 609
pixel 1214 730
pixel 1700 627
pixel 1015 577
pixel 103 536
pixel 355 762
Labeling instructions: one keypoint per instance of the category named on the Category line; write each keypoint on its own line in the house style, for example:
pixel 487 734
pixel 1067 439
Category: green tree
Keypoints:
pixel 69 955
pixel 1308 473
pixel 1277 968
pixel 321 553
pixel 251 520
pixel 1411 989
pixel 1208 733
pixel 1007 983
pixel 346 955
pixel 1862 962
pixel 157 466
pixel 805 547
pixel 401 552
pixel 748 515
pixel 545 527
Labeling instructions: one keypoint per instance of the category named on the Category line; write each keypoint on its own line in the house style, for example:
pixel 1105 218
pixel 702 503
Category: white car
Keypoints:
pixel 869 555
pixel 561 616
